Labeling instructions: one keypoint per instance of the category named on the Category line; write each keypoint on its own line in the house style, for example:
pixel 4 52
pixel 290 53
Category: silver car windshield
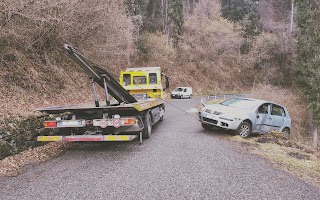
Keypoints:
pixel 178 89
pixel 247 104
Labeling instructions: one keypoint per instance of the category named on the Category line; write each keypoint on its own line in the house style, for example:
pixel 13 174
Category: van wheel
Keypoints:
pixel 146 132
pixel 244 130
pixel 190 96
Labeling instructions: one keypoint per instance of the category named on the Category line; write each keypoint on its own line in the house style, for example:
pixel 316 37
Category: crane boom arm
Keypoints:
pixel 100 75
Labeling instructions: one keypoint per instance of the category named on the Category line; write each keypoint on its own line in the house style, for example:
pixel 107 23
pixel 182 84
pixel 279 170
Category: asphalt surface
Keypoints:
pixel 179 161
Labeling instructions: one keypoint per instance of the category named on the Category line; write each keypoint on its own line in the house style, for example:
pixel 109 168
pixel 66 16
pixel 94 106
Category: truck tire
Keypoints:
pixel 146 132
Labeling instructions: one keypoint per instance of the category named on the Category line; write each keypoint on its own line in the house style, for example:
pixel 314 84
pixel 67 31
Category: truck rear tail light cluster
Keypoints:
pixel 129 121
pixel 50 124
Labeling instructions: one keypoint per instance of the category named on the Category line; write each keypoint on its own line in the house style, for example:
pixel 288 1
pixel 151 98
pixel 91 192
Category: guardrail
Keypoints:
pixel 228 96
pixel 205 99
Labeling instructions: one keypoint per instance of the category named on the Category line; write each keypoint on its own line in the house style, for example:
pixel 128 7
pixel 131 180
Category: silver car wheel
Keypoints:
pixel 286 133
pixel 244 129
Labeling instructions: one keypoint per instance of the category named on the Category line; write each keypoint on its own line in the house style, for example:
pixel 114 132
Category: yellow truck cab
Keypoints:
pixel 144 81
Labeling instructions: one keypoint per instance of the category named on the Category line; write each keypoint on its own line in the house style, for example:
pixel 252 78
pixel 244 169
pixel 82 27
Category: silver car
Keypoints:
pixel 246 116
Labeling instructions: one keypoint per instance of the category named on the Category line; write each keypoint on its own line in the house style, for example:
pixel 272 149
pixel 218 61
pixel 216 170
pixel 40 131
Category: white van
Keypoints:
pixel 182 92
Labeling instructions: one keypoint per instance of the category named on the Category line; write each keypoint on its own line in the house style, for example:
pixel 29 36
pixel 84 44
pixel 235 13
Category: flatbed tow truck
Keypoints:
pixel 130 115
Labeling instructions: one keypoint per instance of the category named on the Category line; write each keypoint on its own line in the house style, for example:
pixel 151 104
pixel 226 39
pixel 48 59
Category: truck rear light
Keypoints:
pixel 50 124
pixel 129 121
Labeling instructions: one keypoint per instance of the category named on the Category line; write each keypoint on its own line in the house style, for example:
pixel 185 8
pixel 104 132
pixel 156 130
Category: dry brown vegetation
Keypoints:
pixel 35 72
pixel 214 56
pixel 13 165
pixel 209 58
pixel 275 15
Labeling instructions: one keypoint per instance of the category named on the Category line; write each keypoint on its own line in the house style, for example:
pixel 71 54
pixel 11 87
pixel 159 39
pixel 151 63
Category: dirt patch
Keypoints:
pixel 248 144
pixel 299 156
pixel 245 144
pixel 267 140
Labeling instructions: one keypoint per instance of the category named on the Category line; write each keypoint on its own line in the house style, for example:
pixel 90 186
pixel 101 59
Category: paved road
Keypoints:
pixel 179 161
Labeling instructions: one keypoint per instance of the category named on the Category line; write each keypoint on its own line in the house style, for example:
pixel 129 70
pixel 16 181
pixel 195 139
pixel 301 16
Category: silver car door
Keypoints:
pixel 263 119
pixel 278 117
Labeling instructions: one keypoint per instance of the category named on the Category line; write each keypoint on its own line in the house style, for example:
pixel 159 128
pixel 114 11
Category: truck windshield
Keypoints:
pixel 139 80
pixel 178 89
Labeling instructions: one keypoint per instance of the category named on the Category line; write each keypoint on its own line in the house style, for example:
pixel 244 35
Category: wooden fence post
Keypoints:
pixel 315 137
pixel 314 129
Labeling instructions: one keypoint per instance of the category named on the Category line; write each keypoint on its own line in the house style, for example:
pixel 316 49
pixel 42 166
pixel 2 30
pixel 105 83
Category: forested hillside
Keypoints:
pixel 214 46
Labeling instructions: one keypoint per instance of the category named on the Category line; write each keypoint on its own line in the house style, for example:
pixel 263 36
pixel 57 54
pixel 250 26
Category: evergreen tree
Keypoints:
pixel 308 55
pixel 176 15
pixel 136 7
pixel 243 11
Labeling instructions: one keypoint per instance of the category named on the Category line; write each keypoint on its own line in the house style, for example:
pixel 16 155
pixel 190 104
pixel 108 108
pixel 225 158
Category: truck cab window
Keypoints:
pixel 126 79
pixel 139 80
pixel 152 78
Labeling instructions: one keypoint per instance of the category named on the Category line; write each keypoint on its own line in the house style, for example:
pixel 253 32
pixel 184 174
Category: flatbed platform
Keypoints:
pixel 90 107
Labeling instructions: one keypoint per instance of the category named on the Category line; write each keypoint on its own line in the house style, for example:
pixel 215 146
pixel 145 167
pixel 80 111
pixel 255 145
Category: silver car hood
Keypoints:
pixel 226 110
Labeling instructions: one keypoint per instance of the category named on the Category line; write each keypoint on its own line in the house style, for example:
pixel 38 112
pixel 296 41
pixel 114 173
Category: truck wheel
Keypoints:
pixel 146 132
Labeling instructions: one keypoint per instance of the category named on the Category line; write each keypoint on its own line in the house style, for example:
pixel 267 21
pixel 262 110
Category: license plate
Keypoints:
pixel 69 123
